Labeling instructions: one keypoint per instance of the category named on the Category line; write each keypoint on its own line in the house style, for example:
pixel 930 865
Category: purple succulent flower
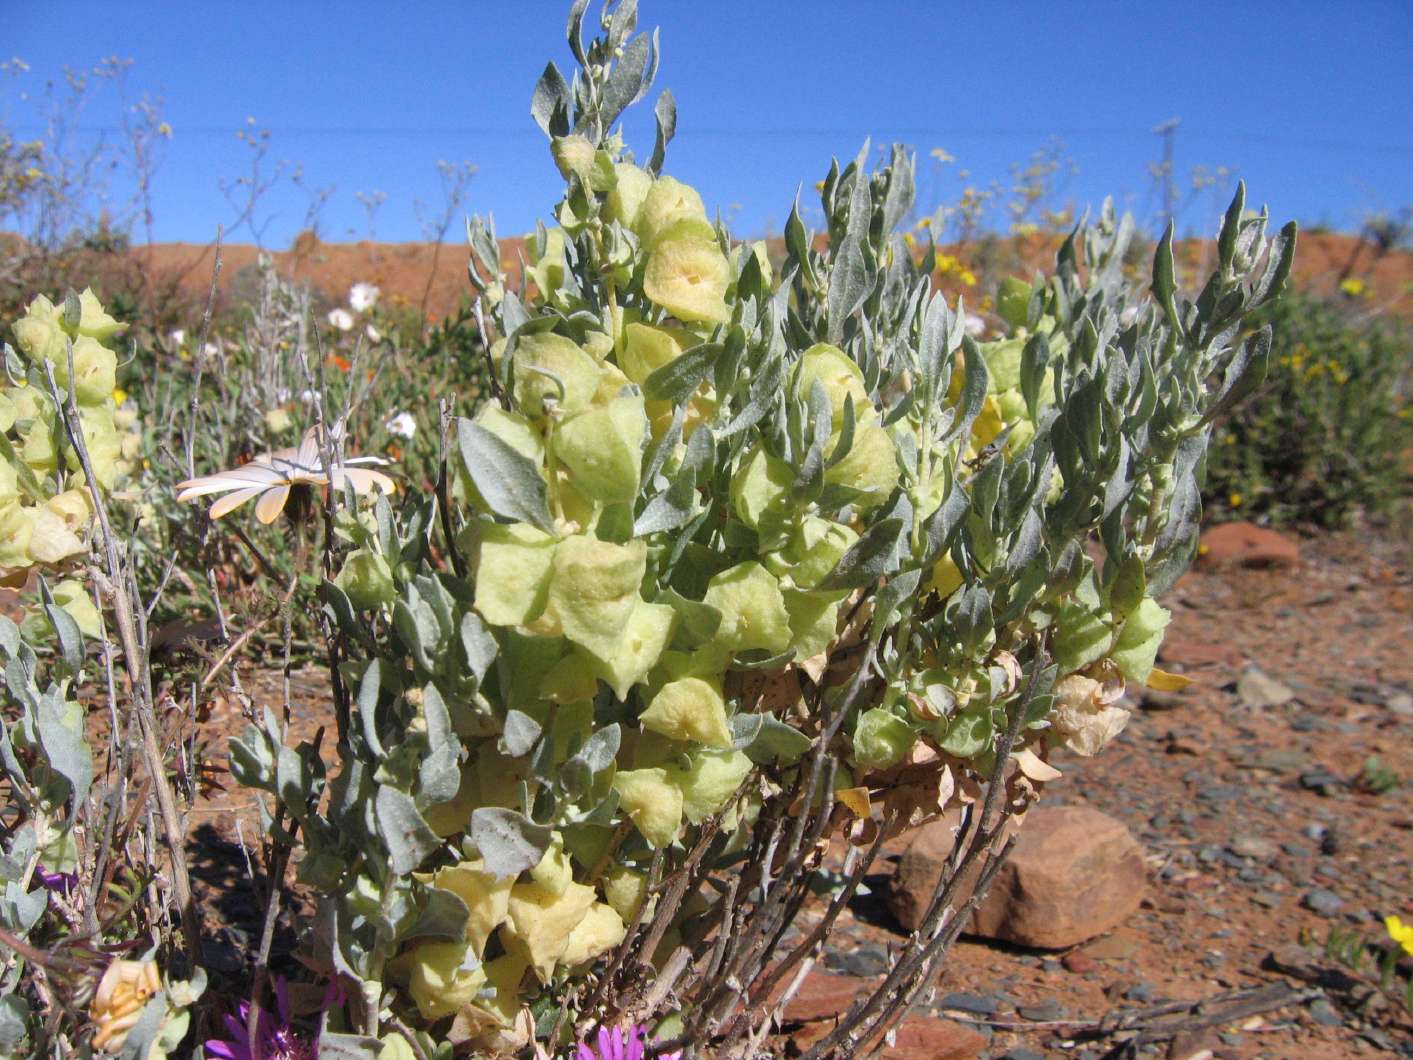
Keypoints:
pixel 275 1037
pixel 614 1044
pixel 64 883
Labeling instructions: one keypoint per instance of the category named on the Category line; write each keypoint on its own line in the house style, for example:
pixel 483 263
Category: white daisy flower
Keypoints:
pixel 374 335
pixel 270 476
pixel 363 297
pixel 177 337
pixel 402 425
pixel 340 318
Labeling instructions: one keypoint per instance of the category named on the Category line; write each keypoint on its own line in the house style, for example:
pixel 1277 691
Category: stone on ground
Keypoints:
pixel 1246 545
pixel 1075 873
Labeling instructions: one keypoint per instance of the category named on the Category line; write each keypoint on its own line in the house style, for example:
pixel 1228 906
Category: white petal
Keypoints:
pixel 231 501
pixel 364 480
pixel 271 503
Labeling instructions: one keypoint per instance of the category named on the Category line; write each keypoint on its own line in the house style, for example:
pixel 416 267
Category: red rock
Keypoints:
pixel 918 1038
pixel 1196 653
pixel 933 1039
pixel 1079 962
pixel 1075 873
pixel 1246 545
pixel 821 996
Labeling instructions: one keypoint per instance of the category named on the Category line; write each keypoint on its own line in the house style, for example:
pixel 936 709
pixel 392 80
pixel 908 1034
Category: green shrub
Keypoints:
pixel 1330 432
pixel 737 562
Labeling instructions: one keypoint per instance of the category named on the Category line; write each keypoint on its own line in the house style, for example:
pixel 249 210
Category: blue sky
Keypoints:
pixel 1310 102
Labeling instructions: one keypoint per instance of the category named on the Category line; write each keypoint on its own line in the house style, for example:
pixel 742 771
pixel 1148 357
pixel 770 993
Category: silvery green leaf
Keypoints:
pixel 510 483
pixel 9 636
pixel 1121 481
pixel 1027 543
pixel 971 617
pixel 846 434
pixel 14 1017
pixel 1164 283
pixel 349 1047
pixel 443 916
pixel 942 524
pixel 144 1032
pixel 974 381
pixel 341 608
pixel 574 30
pixel 600 749
pixel 797 242
pixel 1035 359
pixel 67 752
pixel 1282 257
pixel 1129 586
pixel 933 346
pixel 73 310
pixel 665 115
pixel 70 639
pixel 901 188
pixel 23 908
pixel 602 814
pixel 369 686
pixel 672 508
pixel 869 559
pixel 509 842
pixel 478 644
pixel 627 81
pixel 408 839
pixel 761 659
pixel 773 742
pixel 697 622
pixel 679 378
pixel 253 761
pixel 986 488
pixel 549 106
pixel 1244 373
pixel 520 734
pixel 891 596
pixel 1185 504
pixel 658 452
pixel 850 271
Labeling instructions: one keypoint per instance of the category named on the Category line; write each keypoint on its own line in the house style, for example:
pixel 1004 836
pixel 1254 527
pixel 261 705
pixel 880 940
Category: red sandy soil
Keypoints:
pixel 1243 813
pixel 408 273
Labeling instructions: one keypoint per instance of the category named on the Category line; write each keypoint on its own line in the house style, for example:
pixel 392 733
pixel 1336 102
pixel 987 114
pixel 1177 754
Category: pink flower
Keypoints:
pixel 275 1037
pixel 615 1045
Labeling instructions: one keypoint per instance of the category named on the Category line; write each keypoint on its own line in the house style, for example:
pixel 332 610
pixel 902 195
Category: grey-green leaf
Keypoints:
pixel 510 483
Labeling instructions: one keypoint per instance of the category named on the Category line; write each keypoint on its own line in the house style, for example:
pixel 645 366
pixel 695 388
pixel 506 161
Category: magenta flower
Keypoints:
pixel 275 1037
pixel 64 883
pixel 615 1045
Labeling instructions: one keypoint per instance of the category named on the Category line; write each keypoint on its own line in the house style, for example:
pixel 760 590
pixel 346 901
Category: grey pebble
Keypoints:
pixel 1323 1013
pixel 975 1004
pixel 1323 901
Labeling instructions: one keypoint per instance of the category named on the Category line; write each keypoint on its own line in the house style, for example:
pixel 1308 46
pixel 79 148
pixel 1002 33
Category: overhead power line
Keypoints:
pixel 916 134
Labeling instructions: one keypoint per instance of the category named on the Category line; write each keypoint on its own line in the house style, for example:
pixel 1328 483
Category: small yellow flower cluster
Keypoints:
pixel 1317 367
pixel 1400 932
pixel 949 266
pixel 1354 287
